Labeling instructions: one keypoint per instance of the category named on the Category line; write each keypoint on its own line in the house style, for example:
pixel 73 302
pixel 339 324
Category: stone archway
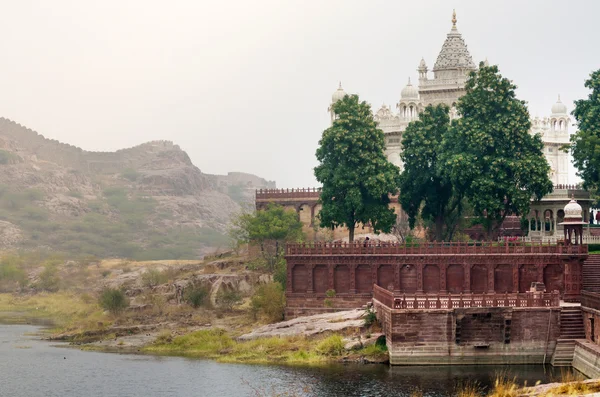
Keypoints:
pixel 479 279
pixel 431 279
pixel 364 282
pixel 385 276
pixel 299 278
pixel 341 279
pixel 527 275
pixel 408 279
pixel 503 279
pixel 554 278
pixel 455 279
pixel 320 282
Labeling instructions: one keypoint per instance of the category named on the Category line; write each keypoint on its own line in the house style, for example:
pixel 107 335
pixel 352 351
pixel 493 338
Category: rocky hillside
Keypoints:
pixel 145 202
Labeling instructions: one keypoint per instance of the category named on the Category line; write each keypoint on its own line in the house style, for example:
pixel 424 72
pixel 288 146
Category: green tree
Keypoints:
pixel 585 143
pixel 492 153
pixel 356 176
pixel 425 186
pixel 274 225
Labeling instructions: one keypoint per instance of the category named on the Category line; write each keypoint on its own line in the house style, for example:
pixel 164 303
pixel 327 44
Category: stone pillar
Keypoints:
pixel 374 271
pixel 397 267
pixel 540 273
pixel 515 278
pixel 330 276
pixel 310 288
pixel 353 278
pixel 289 277
pixel 443 268
pixel 491 286
pixel 420 278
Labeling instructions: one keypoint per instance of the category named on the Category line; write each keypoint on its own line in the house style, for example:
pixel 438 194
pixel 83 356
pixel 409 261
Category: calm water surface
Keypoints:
pixel 30 368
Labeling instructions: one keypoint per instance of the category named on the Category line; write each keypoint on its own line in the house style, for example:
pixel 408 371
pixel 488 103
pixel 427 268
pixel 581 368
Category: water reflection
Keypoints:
pixel 29 367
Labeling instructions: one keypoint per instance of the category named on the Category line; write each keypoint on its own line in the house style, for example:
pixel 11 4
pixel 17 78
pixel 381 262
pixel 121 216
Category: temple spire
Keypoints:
pixel 453 19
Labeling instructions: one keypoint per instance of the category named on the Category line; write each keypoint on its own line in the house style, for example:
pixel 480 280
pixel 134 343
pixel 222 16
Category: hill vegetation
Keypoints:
pixel 142 203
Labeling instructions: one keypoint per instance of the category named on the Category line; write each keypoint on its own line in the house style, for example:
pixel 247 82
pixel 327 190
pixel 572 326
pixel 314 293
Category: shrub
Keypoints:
pixel 49 280
pixel 331 346
pixel 197 296
pixel 113 300
pixel 154 277
pixel 228 298
pixel 130 174
pixel 269 302
pixel 330 293
pixel 370 317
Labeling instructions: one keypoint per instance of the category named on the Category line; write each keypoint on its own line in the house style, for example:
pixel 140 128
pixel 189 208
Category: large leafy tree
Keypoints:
pixel 425 186
pixel 492 153
pixel 585 144
pixel 356 176
pixel 275 225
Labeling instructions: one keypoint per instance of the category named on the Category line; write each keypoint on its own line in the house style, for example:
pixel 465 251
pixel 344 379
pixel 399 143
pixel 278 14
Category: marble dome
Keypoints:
pixel 559 107
pixel 573 210
pixel 338 94
pixel 409 91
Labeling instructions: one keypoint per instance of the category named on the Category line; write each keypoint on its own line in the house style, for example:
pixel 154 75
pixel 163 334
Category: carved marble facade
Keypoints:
pixel 450 73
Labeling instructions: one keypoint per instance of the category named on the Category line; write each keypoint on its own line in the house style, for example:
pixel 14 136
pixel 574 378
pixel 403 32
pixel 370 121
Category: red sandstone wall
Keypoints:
pixel 470 336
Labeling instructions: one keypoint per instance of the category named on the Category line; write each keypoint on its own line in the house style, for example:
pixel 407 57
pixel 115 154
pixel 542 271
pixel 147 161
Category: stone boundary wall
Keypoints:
pixel 586 358
pixel 470 335
pixel 307 306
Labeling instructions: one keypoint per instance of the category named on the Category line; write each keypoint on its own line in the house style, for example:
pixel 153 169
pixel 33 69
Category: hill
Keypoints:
pixel 144 202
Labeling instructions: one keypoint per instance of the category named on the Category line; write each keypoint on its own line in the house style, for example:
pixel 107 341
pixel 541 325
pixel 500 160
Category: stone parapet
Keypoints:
pixel 476 335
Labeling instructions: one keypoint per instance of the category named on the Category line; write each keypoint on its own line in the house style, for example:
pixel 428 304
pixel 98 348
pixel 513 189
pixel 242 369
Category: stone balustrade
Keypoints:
pixel 431 248
pixel 451 301
pixel 298 193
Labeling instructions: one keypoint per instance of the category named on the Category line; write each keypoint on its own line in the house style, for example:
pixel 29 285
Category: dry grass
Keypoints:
pixel 68 311
pixel 572 385
pixel 504 387
pixel 468 389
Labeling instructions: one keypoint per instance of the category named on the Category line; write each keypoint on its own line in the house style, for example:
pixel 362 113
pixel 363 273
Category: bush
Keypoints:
pixel 49 280
pixel 113 300
pixel 197 296
pixel 154 277
pixel 269 302
pixel 130 174
pixel 228 298
pixel 331 346
pixel 370 317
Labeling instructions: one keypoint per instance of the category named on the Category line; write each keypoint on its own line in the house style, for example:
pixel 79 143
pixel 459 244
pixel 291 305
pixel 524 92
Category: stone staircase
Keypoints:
pixel 571 328
pixel 591 273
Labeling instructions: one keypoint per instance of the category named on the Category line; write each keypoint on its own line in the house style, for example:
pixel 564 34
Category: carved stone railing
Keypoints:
pixel 590 299
pixel 569 187
pixel 383 295
pixel 452 301
pixel 434 248
pixel 299 193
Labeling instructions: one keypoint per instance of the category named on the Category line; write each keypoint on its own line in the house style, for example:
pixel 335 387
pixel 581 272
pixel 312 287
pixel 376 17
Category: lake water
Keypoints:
pixel 30 367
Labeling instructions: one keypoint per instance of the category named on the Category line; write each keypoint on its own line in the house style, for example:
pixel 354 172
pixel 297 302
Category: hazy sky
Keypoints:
pixel 245 85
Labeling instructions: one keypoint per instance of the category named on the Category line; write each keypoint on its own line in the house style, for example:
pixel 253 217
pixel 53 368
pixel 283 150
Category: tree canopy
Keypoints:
pixel 357 178
pixel 585 143
pixel 274 224
pixel 425 186
pixel 490 151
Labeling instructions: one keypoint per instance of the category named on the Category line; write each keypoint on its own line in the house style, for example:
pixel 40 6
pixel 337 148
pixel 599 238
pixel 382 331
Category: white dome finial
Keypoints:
pixel 559 107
